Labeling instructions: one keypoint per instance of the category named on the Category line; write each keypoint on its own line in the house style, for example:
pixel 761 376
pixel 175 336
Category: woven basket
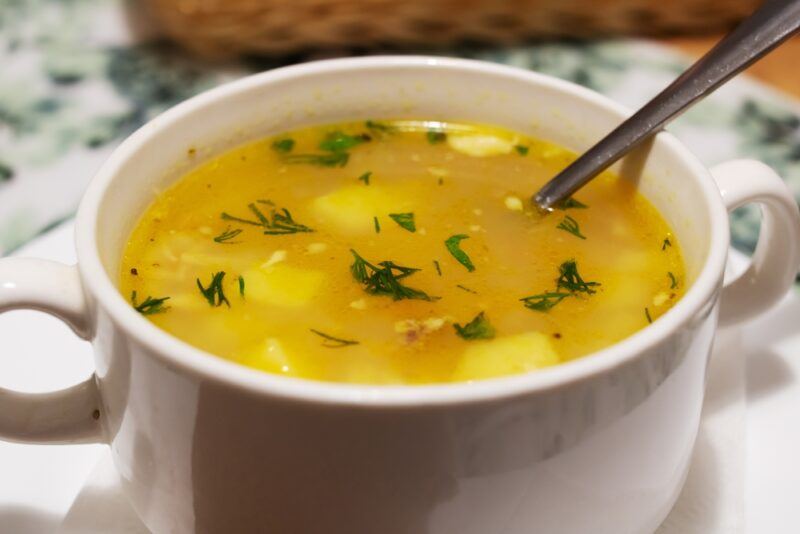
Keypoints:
pixel 228 27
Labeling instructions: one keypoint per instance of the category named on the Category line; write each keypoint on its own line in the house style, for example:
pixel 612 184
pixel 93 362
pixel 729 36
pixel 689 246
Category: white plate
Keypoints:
pixel 39 483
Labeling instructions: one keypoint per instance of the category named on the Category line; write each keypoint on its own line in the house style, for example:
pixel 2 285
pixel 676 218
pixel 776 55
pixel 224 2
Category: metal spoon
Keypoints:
pixel 773 23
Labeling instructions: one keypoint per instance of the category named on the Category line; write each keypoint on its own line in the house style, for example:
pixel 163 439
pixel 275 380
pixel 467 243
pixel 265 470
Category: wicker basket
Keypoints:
pixel 227 27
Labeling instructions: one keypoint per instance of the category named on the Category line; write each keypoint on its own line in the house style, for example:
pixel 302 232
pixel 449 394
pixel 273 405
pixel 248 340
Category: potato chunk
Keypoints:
pixel 352 208
pixel 506 355
pixel 480 145
pixel 282 285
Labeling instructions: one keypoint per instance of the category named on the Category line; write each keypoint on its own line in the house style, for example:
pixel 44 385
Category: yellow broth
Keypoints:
pixel 499 289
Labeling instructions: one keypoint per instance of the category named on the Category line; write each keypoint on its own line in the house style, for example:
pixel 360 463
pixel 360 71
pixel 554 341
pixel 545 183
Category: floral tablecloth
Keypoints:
pixel 80 75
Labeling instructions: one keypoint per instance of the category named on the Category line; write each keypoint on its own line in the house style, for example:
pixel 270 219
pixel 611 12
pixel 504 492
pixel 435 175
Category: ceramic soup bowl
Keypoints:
pixel 599 445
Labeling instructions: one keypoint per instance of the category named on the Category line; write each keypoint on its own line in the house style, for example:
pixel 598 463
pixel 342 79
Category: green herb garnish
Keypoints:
pixel 647 314
pixel 384 279
pixel 436 136
pixel 571 280
pixel 405 220
pixel 544 301
pixel 665 244
pixel 279 221
pixel 453 245
pixel 438 268
pixel 150 305
pixel 570 203
pixel 365 177
pixel 380 127
pixel 333 342
pixel 465 288
pixel 284 146
pixel 522 150
pixel 340 142
pixel 334 159
pixel 377 225
pixel 568 224
pixel 214 293
pixel 673 282
pixel 226 236
pixel 241 286
pixel 477 328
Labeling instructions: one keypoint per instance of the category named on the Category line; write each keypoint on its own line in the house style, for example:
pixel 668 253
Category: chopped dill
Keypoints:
pixel 465 288
pixel 570 203
pixel 279 221
pixel 666 243
pixel 334 159
pixel 568 224
pixel 544 301
pixel 150 305
pixel 241 286
pixel 438 268
pixel 673 282
pixel 453 245
pixel 571 280
pixel 647 314
pixel 284 146
pixel 214 293
pixel 226 236
pixel 436 136
pixel 365 177
pixel 404 220
pixel 340 142
pixel 377 225
pixel 384 279
pixel 522 150
pixel 477 328
pixel 333 342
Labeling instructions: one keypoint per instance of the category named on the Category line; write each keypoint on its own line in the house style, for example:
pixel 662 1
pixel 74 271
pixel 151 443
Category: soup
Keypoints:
pixel 398 252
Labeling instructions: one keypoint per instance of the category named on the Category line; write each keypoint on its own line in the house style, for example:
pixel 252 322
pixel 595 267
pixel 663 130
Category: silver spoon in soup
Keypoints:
pixel 772 24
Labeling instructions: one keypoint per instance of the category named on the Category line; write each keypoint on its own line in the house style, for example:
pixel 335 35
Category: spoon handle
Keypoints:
pixel 774 22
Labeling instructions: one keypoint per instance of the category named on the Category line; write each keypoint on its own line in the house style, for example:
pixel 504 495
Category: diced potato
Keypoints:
pixel 352 208
pixel 282 285
pixel 506 355
pixel 268 356
pixel 480 145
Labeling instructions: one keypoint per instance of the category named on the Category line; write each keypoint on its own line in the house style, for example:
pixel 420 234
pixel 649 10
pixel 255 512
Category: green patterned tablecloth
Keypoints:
pixel 76 80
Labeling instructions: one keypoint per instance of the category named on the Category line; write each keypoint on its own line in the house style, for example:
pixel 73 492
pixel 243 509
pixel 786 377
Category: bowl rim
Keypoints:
pixel 205 366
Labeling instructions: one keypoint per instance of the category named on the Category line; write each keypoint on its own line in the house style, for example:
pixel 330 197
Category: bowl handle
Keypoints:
pixel 69 415
pixel 776 259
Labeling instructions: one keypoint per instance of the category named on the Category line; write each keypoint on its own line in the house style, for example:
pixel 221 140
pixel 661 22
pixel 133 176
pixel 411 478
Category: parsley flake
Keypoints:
pixel 453 245
pixel 436 136
pixel 404 220
pixel 284 146
pixel 570 203
pixel 477 328
pixel 340 142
